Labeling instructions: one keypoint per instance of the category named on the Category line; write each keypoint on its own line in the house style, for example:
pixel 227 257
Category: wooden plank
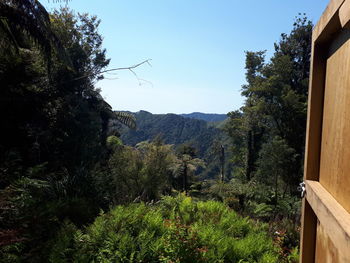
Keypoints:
pixel 314 113
pixel 335 220
pixel 308 234
pixel 344 14
pixel 326 17
pixel 326 251
pixel 325 236
pixel 335 154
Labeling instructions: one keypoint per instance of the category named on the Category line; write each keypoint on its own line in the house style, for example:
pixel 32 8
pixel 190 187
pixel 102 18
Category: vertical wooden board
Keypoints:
pixel 308 234
pixel 335 221
pixel 314 115
pixel 335 149
pixel 326 251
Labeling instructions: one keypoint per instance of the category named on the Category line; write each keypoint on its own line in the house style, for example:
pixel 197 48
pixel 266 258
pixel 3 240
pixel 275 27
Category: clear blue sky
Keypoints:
pixel 196 46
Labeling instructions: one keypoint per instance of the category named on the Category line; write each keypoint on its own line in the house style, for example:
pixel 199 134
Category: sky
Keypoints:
pixel 197 48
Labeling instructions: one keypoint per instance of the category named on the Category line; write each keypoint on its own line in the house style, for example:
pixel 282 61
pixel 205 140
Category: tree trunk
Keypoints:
pixel 222 161
pixel 276 192
pixel 185 179
pixel 250 155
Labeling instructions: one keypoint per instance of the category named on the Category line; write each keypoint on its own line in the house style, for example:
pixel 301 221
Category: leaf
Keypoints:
pixel 125 118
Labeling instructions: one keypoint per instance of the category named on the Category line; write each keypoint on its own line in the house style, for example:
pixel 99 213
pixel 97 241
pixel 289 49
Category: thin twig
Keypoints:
pixel 111 78
pixel 122 68
pixel 128 68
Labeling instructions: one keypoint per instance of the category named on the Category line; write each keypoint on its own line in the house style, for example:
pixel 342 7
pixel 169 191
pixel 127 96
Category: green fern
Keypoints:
pixel 125 118
pixel 175 230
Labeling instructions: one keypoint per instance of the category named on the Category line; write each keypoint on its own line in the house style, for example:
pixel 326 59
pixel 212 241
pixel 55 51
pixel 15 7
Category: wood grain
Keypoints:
pixel 335 221
pixel 315 110
pixel 308 234
pixel 344 14
pixel 325 236
pixel 335 146
pixel 331 10
pixel 326 251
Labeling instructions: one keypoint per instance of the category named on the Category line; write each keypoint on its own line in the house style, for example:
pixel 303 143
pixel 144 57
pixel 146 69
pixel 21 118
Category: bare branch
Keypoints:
pixel 111 78
pixel 131 69
pixel 128 68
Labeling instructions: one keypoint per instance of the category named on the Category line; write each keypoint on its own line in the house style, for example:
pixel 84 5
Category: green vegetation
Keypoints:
pixel 203 136
pixel 174 230
pixel 268 134
pixel 72 190
pixel 209 117
pixel 54 125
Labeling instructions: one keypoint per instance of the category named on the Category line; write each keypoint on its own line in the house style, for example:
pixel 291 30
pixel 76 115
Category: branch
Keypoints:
pixel 128 68
pixel 131 69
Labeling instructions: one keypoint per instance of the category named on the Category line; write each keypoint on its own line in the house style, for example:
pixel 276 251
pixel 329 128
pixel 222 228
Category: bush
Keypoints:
pixel 62 244
pixel 176 229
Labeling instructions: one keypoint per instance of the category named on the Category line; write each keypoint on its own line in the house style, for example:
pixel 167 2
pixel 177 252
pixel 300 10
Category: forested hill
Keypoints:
pixel 174 129
pixel 177 130
pixel 211 117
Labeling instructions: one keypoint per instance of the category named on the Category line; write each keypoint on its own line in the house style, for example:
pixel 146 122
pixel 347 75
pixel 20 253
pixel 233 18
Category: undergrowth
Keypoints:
pixel 176 229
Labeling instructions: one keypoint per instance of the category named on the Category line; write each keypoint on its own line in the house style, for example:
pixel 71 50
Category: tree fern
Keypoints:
pixel 29 17
pixel 125 118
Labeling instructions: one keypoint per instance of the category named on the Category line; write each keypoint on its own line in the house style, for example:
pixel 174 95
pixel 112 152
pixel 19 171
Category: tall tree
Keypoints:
pixel 268 133
pixel 55 122
pixel 186 164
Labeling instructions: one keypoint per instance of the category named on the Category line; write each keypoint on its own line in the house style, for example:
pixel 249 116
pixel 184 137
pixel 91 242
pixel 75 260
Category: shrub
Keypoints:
pixel 176 229
pixel 62 244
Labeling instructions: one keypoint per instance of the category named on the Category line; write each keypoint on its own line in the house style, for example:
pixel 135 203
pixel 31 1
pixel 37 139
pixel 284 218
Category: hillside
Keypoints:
pixel 177 130
pixel 210 117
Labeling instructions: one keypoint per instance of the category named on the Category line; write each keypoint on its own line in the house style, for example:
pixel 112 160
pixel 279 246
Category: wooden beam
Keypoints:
pixel 344 14
pixel 315 112
pixel 334 218
pixel 326 17
pixel 308 234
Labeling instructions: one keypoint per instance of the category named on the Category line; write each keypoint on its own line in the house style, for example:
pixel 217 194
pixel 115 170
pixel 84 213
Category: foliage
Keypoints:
pixel 62 161
pixel 185 166
pixel 61 247
pixel 179 131
pixel 55 124
pixel 209 117
pixel 145 172
pixel 175 230
pixel 125 118
pixel 294 256
pixel 22 19
pixel 113 142
pixel 268 133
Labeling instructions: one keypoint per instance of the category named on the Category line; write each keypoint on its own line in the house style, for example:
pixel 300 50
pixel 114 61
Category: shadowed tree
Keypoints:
pixel 184 167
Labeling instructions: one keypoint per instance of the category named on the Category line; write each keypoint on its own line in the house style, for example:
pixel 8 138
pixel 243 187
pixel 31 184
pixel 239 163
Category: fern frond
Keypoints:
pixel 29 17
pixel 125 118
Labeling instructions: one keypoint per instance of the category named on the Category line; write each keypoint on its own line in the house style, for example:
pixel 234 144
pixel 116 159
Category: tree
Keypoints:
pixel 275 158
pixel 268 133
pixel 186 164
pixel 55 123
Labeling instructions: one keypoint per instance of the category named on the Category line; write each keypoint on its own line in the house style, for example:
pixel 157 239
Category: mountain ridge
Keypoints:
pixel 177 130
pixel 209 117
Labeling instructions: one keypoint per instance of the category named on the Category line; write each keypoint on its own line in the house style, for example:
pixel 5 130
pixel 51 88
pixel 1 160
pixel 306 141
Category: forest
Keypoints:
pixel 82 182
pixel 205 137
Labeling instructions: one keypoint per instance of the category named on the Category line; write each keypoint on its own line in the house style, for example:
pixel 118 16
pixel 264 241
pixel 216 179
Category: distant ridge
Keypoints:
pixel 175 129
pixel 210 117
pixel 200 130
